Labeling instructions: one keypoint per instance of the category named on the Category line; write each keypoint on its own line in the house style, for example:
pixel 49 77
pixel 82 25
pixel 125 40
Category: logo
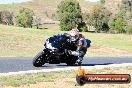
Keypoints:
pixel 83 78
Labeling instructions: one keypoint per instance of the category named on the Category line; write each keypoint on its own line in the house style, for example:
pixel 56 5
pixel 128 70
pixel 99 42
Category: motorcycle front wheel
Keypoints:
pixel 38 60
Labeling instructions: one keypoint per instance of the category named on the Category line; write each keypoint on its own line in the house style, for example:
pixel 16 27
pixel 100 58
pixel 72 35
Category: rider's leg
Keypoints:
pixel 80 58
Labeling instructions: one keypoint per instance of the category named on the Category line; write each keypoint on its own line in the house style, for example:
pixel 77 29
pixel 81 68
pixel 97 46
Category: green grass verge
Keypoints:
pixel 119 41
pixel 51 77
pixel 34 78
pixel 20 42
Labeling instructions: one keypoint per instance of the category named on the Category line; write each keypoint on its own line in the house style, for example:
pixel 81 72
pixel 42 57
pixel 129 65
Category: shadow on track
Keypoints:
pixel 87 64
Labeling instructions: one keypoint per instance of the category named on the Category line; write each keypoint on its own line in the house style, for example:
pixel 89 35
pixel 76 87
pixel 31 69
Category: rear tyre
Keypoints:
pixel 70 61
pixel 38 60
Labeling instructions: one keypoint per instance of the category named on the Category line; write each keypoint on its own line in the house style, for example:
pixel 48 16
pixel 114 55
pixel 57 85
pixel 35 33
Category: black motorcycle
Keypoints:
pixel 55 51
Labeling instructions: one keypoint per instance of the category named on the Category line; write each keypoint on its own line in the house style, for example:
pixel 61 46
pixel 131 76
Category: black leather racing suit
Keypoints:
pixel 81 49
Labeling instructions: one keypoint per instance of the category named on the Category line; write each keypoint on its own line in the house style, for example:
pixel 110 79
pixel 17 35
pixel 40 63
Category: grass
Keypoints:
pixel 51 77
pixel 17 41
pixel 108 70
pixel 34 78
pixel 119 41
pixel 20 42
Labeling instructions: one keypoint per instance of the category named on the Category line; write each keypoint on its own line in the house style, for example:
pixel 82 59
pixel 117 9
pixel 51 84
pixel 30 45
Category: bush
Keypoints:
pixel 129 29
pixel 84 29
pixel 37 22
pixel 25 18
pixel 98 18
pixel 117 25
pixel 6 17
pixel 82 26
pixel 102 1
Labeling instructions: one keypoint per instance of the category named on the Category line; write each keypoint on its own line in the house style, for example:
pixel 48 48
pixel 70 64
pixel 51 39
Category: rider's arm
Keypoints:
pixel 81 49
pixel 78 52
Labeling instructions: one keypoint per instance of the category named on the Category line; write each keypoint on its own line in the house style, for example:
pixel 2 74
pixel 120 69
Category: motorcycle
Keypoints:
pixel 55 51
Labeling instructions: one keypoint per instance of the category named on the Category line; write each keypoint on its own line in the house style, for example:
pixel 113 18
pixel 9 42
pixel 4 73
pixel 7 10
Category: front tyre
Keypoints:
pixel 38 60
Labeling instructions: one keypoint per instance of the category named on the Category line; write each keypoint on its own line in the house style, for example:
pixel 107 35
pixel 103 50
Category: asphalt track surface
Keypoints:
pixel 14 64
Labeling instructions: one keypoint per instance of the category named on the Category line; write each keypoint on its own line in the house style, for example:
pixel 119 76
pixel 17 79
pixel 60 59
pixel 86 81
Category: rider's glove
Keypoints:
pixel 66 52
pixel 70 52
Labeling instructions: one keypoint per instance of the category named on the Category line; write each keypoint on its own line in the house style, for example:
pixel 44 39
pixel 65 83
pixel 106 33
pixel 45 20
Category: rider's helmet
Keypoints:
pixel 74 35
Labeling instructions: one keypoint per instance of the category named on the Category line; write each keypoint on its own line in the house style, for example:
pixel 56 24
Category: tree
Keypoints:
pixel 69 14
pixel 6 17
pixel 0 17
pixel 129 29
pixel 128 4
pixel 37 22
pixel 99 18
pixel 121 21
pixel 25 18
pixel 118 25
pixel 54 16
pixel 102 1
pixel 46 14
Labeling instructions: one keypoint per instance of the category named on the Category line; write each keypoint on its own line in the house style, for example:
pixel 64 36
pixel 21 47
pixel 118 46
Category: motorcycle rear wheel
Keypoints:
pixel 70 61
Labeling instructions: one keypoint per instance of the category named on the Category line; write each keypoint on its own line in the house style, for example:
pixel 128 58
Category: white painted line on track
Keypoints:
pixel 63 69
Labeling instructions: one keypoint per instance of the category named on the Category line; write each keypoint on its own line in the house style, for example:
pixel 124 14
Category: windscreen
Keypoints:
pixel 55 42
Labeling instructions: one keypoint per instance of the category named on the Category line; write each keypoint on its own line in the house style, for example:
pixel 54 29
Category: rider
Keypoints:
pixel 81 44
